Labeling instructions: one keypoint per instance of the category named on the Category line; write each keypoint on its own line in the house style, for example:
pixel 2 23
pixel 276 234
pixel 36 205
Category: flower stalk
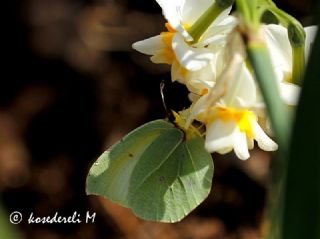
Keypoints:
pixel 296 36
pixel 297 41
pixel 207 18
pixel 277 111
pixel 249 13
pixel 261 62
pixel 280 121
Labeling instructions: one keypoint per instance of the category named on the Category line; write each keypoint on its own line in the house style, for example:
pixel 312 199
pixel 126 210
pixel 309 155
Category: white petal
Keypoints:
pixel 220 135
pixel 193 98
pixel 241 90
pixel 198 86
pixel 159 58
pixel 189 57
pixel 205 78
pixel 150 46
pixel 311 32
pixel 176 72
pixel 193 9
pixel 226 19
pixel 241 146
pixel 172 10
pixel 197 109
pixel 216 36
pixel 225 150
pixel 264 142
pixel 247 91
pixel 280 73
pixel 221 19
pixel 289 93
pixel 279 46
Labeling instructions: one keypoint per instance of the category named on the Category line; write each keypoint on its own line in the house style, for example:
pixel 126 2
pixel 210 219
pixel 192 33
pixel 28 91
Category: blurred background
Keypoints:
pixel 71 86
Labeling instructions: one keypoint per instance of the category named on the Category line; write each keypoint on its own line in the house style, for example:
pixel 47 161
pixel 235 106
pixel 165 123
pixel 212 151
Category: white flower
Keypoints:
pixel 175 46
pixel 227 110
pixel 199 86
pixel 277 40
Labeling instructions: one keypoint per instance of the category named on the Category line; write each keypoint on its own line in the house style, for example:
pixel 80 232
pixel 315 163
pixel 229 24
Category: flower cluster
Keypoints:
pixel 223 92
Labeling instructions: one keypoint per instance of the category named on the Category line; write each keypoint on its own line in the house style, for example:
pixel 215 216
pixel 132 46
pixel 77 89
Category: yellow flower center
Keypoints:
pixel 243 118
pixel 167 37
pixel 168 54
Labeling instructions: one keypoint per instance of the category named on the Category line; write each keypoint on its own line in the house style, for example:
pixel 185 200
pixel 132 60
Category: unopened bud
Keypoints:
pixel 269 18
pixel 296 35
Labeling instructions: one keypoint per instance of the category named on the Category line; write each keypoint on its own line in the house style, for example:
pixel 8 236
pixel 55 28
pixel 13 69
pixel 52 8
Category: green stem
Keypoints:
pixel 277 111
pixel 298 64
pixel 249 12
pixel 297 38
pixel 207 18
pixel 281 125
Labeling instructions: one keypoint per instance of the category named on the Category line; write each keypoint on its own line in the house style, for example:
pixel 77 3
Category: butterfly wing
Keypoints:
pixel 110 174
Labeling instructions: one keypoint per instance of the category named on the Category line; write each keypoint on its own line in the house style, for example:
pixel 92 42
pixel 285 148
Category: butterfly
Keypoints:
pixel 155 171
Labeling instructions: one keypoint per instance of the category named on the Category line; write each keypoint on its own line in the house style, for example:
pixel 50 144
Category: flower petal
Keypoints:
pixel 150 46
pixel 199 82
pixel 220 135
pixel 193 9
pixel 224 17
pixel 172 11
pixel 178 72
pixel 223 136
pixel 217 34
pixel 189 57
pixel 241 91
pixel 311 32
pixel 197 108
pixel 241 146
pixel 263 140
pixel 279 47
pixel 289 93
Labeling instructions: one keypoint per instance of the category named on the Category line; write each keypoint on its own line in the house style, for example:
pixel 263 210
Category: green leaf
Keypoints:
pixel 155 172
pixel 302 187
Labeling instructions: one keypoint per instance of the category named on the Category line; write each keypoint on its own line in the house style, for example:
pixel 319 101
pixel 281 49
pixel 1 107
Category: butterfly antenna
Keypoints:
pixel 168 113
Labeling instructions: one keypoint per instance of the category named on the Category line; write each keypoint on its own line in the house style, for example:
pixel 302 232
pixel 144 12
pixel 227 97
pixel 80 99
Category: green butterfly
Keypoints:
pixel 155 171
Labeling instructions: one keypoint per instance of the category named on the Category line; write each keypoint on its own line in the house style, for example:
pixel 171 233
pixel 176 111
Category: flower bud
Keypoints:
pixel 296 35
pixel 269 18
